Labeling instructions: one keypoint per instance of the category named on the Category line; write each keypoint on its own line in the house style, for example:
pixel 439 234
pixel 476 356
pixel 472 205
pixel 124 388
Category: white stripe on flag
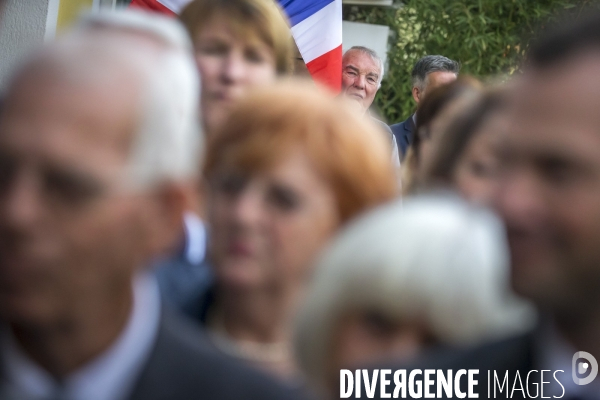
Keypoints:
pixel 175 5
pixel 320 33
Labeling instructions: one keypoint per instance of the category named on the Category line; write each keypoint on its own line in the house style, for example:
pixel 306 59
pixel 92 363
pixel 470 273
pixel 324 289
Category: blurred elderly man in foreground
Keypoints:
pixel 97 137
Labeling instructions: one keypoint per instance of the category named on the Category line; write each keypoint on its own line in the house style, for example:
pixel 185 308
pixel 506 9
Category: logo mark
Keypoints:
pixel 581 368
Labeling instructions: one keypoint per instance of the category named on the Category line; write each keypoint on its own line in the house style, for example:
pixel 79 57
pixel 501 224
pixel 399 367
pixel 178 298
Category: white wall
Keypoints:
pixel 372 36
pixel 22 27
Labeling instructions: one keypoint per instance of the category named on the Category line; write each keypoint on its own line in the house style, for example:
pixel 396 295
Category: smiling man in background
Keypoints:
pixel 362 72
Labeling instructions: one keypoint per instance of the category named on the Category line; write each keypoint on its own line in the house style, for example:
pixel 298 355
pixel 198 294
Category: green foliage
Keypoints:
pixel 488 37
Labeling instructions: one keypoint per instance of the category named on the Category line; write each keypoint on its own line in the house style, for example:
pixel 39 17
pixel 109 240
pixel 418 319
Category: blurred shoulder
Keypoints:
pixel 514 353
pixel 509 357
pixel 184 365
pixel 381 124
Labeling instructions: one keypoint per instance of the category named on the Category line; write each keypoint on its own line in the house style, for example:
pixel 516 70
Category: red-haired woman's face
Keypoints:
pixel 229 65
pixel 267 228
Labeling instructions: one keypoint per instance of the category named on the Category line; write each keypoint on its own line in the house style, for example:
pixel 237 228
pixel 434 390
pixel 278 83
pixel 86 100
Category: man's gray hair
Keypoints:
pixel 168 144
pixel 153 25
pixel 373 54
pixel 429 64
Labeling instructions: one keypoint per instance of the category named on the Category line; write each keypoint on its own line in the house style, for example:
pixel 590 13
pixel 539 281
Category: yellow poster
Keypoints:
pixel 69 10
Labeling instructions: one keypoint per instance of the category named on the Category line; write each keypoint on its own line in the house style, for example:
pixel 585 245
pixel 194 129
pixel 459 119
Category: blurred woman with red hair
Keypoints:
pixel 288 168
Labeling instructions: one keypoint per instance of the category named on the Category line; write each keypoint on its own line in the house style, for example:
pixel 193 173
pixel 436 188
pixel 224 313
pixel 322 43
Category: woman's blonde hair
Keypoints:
pixel 263 19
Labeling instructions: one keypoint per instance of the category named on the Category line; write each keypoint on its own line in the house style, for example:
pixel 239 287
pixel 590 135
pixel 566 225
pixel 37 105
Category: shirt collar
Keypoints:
pixel 110 376
pixel 195 244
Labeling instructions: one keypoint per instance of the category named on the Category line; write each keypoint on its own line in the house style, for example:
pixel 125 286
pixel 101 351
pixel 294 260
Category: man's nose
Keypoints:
pixel 521 199
pixel 360 81
pixel 21 203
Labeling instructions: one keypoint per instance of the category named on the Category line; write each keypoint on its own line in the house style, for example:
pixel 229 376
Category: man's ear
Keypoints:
pixel 416 92
pixel 165 220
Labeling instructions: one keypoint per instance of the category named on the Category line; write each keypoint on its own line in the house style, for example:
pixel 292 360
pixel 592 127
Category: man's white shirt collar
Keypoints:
pixel 111 376
pixel 195 250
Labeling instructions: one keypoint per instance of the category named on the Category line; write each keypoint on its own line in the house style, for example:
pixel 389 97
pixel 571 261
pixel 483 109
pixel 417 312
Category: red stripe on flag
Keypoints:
pixel 152 5
pixel 327 69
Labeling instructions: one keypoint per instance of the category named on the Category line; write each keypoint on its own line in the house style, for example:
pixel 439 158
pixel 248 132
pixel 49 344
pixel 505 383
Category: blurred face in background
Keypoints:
pixel 550 185
pixel 267 226
pixel 230 63
pixel 360 77
pixel 476 171
pixel 431 134
pixel 70 236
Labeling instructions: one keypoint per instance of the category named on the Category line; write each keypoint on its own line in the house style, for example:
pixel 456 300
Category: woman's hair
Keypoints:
pixel 351 155
pixel 459 133
pixel 429 109
pixel 434 102
pixel 250 18
pixel 434 258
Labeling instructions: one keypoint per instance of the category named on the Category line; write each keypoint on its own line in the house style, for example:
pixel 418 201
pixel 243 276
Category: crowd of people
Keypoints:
pixel 181 217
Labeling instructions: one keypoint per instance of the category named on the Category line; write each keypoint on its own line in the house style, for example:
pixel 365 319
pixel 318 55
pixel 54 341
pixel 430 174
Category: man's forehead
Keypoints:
pixel 569 90
pixel 557 108
pixel 68 114
pixel 360 60
pixel 440 77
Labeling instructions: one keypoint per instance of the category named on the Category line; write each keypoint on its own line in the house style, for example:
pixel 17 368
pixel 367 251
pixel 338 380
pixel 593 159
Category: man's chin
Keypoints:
pixel 357 104
pixel 533 273
pixel 26 310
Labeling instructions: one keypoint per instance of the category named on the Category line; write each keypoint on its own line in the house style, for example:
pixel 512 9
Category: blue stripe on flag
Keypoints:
pixel 299 10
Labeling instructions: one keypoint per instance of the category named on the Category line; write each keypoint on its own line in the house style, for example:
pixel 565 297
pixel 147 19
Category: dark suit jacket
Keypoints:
pixel 181 278
pixel 183 365
pixel 180 281
pixel 404 134
pixel 512 355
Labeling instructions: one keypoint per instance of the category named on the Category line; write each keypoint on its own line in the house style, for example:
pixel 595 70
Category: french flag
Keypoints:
pixel 316 27
pixel 170 7
pixel 317 30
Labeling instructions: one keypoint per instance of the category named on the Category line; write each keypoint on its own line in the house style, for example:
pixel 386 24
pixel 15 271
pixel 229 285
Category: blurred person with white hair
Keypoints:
pixel 98 138
pixel 185 268
pixel 406 277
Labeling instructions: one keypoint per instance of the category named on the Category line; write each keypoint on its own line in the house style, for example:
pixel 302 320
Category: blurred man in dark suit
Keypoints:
pixel 98 141
pixel 549 191
pixel 428 73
